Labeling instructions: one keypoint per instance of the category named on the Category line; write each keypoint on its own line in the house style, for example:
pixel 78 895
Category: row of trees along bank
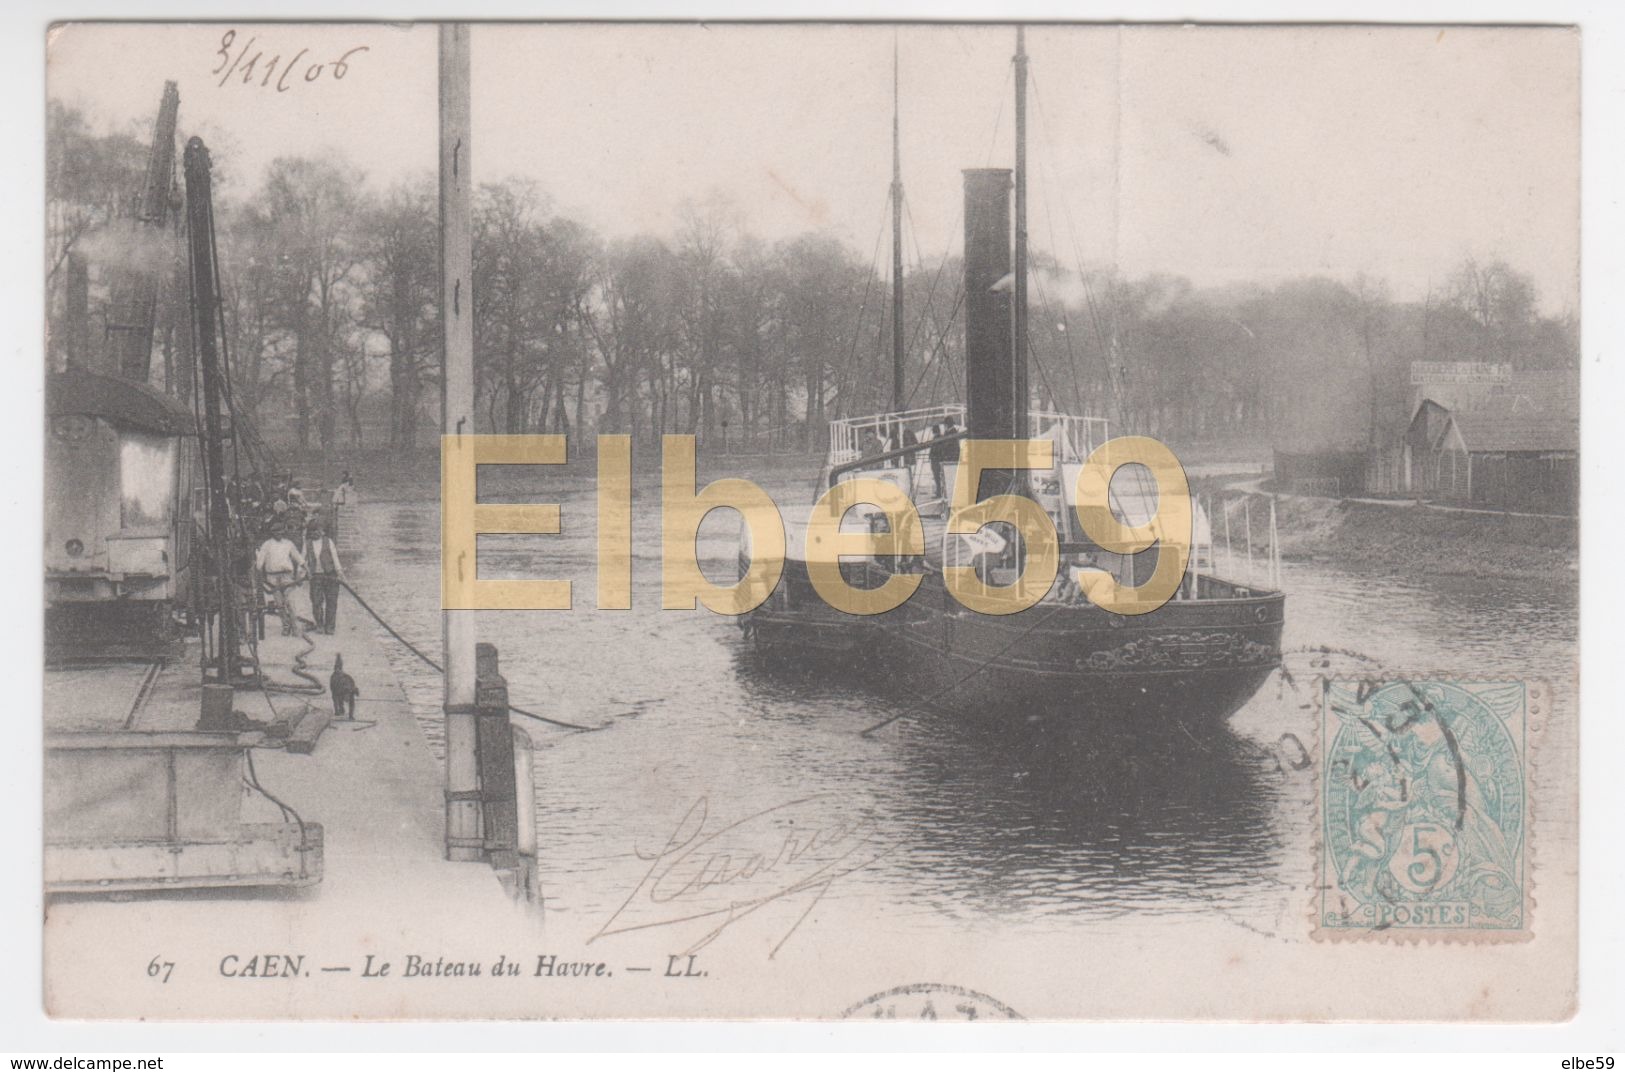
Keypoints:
pixel 331 287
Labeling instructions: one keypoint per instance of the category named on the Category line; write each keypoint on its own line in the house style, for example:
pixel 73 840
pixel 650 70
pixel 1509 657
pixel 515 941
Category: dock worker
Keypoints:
pixel 872 446
pixel 897 438
pixel 326 572
pixel 1088 578
pixel 341 497
pixel 943 453
pixel 279 565
pixel 297 498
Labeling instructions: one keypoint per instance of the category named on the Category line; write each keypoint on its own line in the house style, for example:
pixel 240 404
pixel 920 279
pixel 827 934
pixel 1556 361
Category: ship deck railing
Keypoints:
pixel 1076 437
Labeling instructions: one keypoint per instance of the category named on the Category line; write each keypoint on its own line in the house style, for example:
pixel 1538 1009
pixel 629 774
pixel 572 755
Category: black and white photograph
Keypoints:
pixel 879 520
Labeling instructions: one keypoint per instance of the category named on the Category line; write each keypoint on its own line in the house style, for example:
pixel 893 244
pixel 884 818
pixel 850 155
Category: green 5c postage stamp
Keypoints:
pixel 1424 808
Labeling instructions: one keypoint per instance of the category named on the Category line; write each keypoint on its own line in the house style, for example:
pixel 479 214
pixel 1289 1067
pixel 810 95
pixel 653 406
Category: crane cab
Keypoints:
pixel 120 459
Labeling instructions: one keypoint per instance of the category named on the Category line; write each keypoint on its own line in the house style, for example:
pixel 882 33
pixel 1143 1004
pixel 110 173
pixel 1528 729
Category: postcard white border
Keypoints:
pixel 1603 730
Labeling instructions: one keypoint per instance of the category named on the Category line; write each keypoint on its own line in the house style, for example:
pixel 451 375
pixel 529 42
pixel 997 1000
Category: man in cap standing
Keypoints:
pixel 326 573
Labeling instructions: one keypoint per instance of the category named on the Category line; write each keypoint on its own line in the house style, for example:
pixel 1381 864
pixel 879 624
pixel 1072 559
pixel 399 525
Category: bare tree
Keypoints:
pixel 399 298
pixel 313 207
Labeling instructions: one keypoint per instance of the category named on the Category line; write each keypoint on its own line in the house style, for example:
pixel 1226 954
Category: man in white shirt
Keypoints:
pixel 279 565
pixel 322 559
pixel 341 497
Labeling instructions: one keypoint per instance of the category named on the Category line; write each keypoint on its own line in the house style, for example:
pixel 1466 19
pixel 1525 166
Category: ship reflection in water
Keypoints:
pixel 1012 814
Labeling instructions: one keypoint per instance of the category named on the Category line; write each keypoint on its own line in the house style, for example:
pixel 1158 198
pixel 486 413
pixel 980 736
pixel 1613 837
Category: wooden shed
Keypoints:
pixel 1515 449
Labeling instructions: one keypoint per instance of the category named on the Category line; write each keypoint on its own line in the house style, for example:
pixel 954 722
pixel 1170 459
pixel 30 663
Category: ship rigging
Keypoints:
pixel 1193 659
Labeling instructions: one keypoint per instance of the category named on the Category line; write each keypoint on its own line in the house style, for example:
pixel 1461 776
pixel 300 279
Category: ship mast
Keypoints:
pixel 896 242
pixel 1018 367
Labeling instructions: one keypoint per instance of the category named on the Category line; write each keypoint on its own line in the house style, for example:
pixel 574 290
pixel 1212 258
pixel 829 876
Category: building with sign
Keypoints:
pixel 1515 446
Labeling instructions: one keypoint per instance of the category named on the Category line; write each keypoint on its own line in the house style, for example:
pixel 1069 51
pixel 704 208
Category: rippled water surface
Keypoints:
pixel 982 818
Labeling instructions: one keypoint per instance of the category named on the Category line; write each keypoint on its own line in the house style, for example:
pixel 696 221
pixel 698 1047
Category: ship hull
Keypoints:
pixel 1192 662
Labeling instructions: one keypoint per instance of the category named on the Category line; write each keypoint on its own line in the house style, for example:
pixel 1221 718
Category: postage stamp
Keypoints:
pixel 1424 808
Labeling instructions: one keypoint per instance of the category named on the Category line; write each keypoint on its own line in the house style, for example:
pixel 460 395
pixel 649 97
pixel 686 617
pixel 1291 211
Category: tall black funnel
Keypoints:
pixel 990 402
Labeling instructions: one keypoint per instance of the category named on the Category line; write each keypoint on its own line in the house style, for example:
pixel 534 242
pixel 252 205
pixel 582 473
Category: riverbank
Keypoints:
pixel 1398 538
pixel 1410 540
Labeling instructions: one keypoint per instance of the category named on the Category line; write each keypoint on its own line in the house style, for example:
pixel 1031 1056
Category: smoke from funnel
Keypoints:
pixel 126 245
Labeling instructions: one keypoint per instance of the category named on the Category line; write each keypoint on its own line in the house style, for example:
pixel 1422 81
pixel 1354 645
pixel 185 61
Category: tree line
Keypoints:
pixel 330 305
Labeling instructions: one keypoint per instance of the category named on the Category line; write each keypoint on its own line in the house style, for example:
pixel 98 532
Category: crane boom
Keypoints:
pixel 135 288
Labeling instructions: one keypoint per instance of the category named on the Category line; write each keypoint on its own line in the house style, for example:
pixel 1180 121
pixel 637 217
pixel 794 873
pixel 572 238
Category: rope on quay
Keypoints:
pixel 315 688
pixel 409 646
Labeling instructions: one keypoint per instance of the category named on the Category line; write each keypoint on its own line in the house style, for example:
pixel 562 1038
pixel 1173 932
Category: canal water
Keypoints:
pixel 984 822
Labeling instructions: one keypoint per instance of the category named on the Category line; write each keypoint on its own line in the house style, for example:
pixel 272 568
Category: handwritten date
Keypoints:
pixel 250 64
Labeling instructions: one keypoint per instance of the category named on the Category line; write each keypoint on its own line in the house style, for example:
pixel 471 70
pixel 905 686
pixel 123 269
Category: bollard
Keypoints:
pixel 527 887
pixel 524 768
pixel 216 715
pixel 494 742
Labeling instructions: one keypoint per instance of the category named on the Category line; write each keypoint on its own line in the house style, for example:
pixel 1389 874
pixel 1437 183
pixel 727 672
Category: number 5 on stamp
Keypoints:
pixel 1424 808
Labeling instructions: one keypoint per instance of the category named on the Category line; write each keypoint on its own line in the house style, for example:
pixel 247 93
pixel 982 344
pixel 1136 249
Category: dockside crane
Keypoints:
pixel 133 306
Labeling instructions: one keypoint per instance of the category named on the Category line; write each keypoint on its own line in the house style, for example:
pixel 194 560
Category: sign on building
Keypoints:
pixel 1426 373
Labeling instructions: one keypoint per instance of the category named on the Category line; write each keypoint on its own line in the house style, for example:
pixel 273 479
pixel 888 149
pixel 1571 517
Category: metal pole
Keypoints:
pixel 896 245
pixel 1247 504
pixel 1018 367
pixel 206 332
pixel 1207 508
pixel 1212 561
pixel 463 835
pixel 1275 548
pixel 1212 540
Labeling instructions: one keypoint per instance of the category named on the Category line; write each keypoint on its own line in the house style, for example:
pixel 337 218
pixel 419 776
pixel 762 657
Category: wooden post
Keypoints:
pixel 498 793
pixel 524 766
pixel 527 886
pixel 464 840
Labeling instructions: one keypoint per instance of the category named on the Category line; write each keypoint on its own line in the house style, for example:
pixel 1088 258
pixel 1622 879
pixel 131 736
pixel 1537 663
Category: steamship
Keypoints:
pixel 1195 659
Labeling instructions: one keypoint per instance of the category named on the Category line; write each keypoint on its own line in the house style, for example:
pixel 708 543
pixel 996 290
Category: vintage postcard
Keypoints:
pixel 811 521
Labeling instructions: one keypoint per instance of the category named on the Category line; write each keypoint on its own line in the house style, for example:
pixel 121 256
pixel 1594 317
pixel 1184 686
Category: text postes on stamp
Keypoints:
pixel 1424 814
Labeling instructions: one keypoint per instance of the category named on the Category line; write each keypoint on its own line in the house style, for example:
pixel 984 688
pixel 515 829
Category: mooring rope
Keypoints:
pixel 415 650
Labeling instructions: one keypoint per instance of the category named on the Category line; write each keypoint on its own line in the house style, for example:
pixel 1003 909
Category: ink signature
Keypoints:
pixel 722 875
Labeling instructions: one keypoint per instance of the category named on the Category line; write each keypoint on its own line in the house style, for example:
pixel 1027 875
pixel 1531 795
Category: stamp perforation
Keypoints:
pixel 1533 704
